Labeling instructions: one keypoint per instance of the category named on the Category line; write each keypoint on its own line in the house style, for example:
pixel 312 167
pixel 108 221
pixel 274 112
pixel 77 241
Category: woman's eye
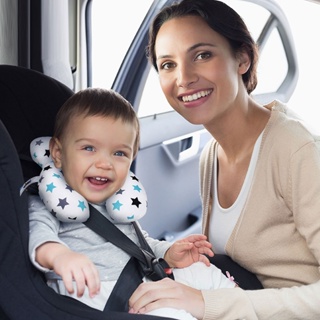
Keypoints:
pixel 166 65
pixel 203 56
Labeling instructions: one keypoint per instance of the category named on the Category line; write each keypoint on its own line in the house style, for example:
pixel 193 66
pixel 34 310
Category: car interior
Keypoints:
pixel 62 46
pixel 46 54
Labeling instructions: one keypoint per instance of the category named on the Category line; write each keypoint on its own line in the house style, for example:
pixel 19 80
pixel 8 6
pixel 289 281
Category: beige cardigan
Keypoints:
pixel 277 236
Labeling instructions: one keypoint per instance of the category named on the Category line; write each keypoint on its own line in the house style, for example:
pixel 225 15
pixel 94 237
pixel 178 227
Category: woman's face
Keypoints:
pixel 199 74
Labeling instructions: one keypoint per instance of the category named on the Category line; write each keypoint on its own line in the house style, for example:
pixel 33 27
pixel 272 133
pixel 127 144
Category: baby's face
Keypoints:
pixel 96 154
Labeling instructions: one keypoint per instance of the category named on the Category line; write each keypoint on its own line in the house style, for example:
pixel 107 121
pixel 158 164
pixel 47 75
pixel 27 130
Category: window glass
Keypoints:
pixel 153 100
pixel 304 19
pixel 273 65
pixel 114 25
pixel 255 17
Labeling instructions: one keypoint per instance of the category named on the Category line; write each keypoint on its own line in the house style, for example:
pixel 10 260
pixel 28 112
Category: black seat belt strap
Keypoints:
pixel 106 229
pixel 152 267
pixel 129 279
pixel 142 262
pixel 157 266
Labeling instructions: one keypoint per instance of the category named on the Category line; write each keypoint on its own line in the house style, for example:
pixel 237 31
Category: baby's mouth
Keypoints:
pixel 98 180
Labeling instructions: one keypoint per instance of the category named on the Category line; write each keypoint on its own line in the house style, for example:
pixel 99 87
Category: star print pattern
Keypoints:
pixel 53 213
pixel 39 142
pixel 47 153
pixel 82 205
pixel 117 205
pixel 136 187
pixel 120 191
pixel 62 203
pixel 69 205
pixel 134 178
pixel 135 202
pixel 69 188
pixel 60 199
pixel 40 152
pixel 129 203
pixel 50 187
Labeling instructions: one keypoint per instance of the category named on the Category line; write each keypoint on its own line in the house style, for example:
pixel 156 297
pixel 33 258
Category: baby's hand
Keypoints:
pixel 189 250
pixel 78 267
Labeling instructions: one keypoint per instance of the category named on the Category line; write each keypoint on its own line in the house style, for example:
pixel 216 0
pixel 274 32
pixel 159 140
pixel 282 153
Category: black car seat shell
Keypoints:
pixel 29 103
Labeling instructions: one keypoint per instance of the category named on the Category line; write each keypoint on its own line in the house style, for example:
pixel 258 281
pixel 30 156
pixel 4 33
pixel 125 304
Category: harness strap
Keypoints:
pixel 142 262
pixel 155 268
pixel 130 277
pixel 106 229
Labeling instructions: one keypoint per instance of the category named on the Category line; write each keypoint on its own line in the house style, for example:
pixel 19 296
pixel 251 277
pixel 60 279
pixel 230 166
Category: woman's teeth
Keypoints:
pixel 196 96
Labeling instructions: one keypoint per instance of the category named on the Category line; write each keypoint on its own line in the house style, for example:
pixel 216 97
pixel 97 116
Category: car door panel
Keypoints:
pixel 167 165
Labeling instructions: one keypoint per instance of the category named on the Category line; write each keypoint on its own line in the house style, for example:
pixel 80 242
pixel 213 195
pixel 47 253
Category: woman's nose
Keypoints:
pixel 186 75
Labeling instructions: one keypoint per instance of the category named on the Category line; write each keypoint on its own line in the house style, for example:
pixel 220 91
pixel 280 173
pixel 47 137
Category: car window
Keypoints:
pixel 114 26
pixel 304 20
pixel 273 66
pixel 109 48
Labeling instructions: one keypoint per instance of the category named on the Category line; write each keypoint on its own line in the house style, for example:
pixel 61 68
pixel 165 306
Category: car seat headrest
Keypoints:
pixel 29 103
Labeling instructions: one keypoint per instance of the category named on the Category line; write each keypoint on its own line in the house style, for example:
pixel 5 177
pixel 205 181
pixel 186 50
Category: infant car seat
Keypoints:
pixel 29 102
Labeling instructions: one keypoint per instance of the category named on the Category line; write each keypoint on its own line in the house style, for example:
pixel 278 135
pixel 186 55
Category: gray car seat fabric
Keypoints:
pixel 29 102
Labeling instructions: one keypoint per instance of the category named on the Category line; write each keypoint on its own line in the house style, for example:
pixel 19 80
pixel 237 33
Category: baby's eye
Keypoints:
pixel 119 154
pixel 88 148
pixel 203 56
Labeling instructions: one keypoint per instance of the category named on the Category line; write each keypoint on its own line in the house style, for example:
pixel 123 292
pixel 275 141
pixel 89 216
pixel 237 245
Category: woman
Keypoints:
pixel 260 175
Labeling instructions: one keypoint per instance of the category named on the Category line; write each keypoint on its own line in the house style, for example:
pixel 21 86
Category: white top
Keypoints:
pixel 223 220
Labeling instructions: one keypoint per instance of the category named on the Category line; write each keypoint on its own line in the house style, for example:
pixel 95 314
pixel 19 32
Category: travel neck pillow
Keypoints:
pixel 127 205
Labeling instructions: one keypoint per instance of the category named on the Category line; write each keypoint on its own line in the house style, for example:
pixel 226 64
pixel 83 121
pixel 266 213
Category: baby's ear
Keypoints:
pixel 55 152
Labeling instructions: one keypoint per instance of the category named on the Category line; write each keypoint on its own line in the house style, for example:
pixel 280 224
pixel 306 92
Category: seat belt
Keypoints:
pixel 158 268
pixel 142 262
pixel 128 281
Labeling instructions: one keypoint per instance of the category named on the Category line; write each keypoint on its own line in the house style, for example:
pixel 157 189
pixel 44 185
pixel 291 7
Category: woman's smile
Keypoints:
pixel 195 96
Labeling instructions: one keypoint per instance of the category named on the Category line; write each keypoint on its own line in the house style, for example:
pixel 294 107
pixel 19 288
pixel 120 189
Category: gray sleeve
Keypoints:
pixel 159 247
pixel 43 227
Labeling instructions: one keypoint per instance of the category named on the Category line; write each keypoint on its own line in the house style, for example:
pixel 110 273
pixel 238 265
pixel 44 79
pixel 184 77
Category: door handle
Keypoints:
pixel 182 148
